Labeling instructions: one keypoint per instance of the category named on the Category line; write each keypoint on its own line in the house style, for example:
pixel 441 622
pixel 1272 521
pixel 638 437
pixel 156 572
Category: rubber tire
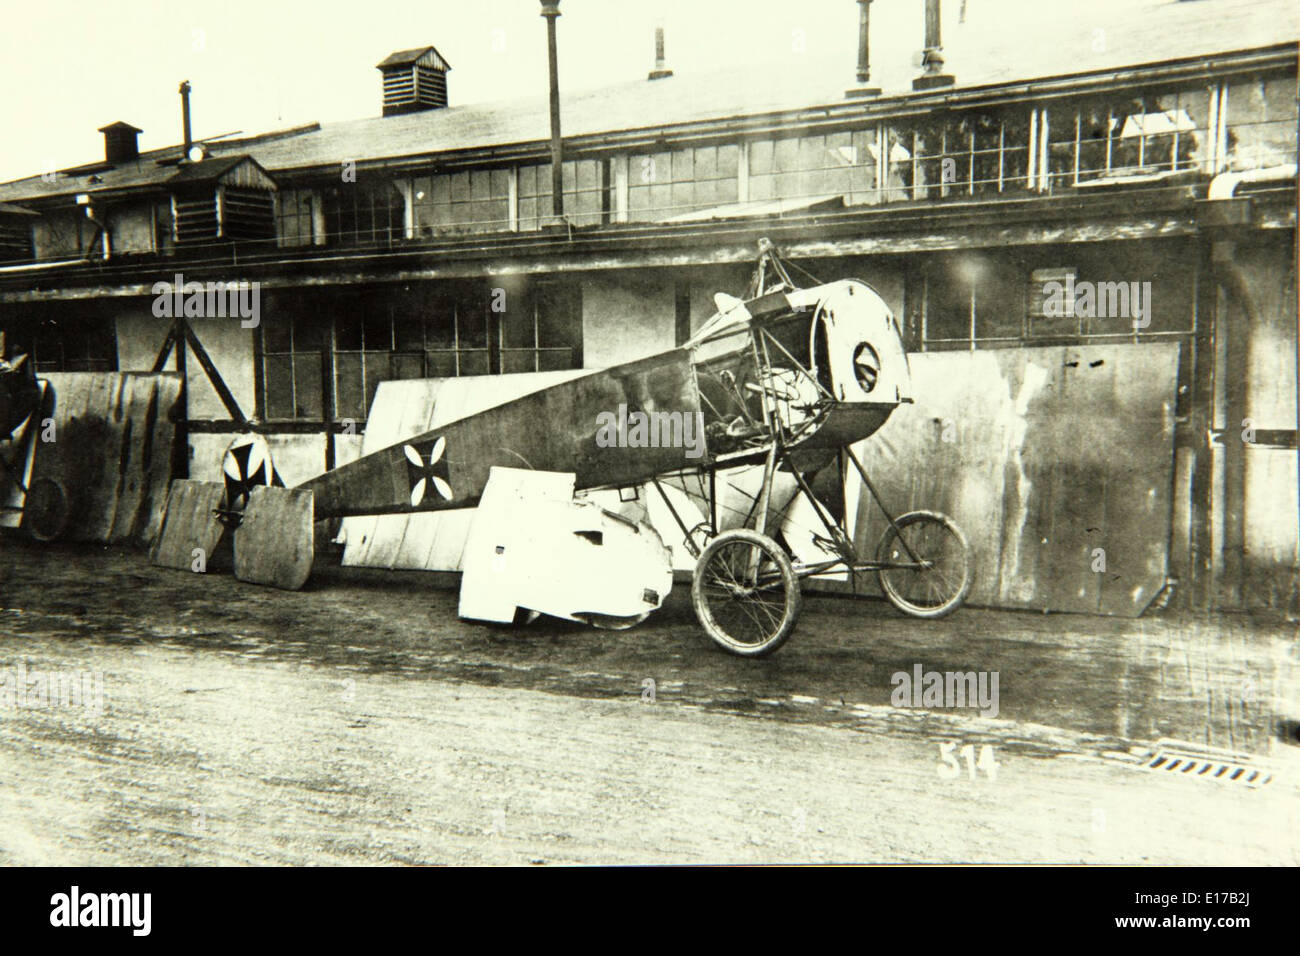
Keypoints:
pixel 49 519
pixel 789 581
pixel 607 622
pixel 912 610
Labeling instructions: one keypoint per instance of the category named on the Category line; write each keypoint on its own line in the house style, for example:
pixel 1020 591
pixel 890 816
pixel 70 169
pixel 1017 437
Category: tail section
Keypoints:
pixel 248 520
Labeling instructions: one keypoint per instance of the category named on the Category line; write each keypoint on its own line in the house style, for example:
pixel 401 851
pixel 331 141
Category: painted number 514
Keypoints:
pixel 950 766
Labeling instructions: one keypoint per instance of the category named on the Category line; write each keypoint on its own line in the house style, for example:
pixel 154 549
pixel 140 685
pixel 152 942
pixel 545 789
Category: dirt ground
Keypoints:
pixel 359 721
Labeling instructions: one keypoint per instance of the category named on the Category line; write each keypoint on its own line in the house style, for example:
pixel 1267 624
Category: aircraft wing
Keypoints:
pixel 555 429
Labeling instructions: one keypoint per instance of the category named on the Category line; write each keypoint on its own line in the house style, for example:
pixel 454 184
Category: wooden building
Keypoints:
pixel 420 243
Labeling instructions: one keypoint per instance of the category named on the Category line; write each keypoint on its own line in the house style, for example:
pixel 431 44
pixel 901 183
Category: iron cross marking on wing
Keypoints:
pixel 427 471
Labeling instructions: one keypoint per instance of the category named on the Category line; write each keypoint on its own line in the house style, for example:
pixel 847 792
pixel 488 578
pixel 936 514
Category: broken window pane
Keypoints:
pixel 1261 122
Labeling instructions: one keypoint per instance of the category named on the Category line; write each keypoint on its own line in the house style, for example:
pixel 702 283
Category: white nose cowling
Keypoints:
pixel 864 350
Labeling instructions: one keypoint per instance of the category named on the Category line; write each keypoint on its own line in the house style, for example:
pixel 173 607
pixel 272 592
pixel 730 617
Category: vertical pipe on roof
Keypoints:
pixel 660 70
pixel 551 11
pixel 864 35
pixel 864 52
pixel 932 60
pixel 185 117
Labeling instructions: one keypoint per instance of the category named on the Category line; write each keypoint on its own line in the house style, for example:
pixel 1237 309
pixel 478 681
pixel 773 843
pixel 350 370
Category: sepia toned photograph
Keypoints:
pixel 649 432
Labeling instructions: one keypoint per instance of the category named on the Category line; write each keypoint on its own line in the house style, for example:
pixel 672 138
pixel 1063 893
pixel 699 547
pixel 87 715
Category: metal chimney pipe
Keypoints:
pixel 932 25
pixel 551 11
pixel 933 58
pixel 864 34
pixel 660 71
pixel 864 53
pixel 185 117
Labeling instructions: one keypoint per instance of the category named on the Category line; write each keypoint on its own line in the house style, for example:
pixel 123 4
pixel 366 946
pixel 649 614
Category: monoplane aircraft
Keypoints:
pixel 783 381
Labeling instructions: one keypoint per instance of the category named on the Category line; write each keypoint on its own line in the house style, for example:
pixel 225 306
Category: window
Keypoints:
pixel 89 346
pixel 585 193
pixel 1049 295
pixel 446 328
pixel 1261 122
pixel 291 356
pixel 544 334
pixel 1143 134
pixel 164 235
pixel 901 167
pixel 450 330
pixel 814 167
pixel 295 217
pixel 959 156
pixel 667 184
pixel 475 201
pixel 366 352
pixel 425 330
pixel 455 335
pixel 365 211
pixel 534 196
pixel 66 339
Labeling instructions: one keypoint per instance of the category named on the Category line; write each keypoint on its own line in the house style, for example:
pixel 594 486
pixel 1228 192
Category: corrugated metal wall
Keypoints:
pixel 1042 456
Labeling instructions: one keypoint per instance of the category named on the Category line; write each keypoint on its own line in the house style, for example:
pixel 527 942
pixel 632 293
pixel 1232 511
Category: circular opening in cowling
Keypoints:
pixel 866 366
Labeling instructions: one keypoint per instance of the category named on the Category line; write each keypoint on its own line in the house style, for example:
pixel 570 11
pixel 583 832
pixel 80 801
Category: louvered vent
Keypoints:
pixel 247 214
pixel 414 80
pixel 15 238
pixel 226 198
pixel 196 218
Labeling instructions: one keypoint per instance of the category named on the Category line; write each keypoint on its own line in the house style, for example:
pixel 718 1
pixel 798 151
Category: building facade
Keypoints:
pixel 1141 200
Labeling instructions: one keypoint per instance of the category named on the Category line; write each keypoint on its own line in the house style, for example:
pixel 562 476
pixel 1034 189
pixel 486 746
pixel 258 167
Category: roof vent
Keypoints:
pixel 414 80
pixel 661 70
pixel 120 144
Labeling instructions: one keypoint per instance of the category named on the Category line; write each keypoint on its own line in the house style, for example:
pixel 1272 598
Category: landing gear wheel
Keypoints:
pixel 745 593
pixel 940 578
pixel 608 622
pixel 45 510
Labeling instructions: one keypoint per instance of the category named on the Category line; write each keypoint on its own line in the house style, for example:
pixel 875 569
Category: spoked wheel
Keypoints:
pixel 745 593
pixel 928 571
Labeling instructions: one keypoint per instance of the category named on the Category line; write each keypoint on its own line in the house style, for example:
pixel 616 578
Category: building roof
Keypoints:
pixel 407 57
pixel 1003 41
pixel 210 170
